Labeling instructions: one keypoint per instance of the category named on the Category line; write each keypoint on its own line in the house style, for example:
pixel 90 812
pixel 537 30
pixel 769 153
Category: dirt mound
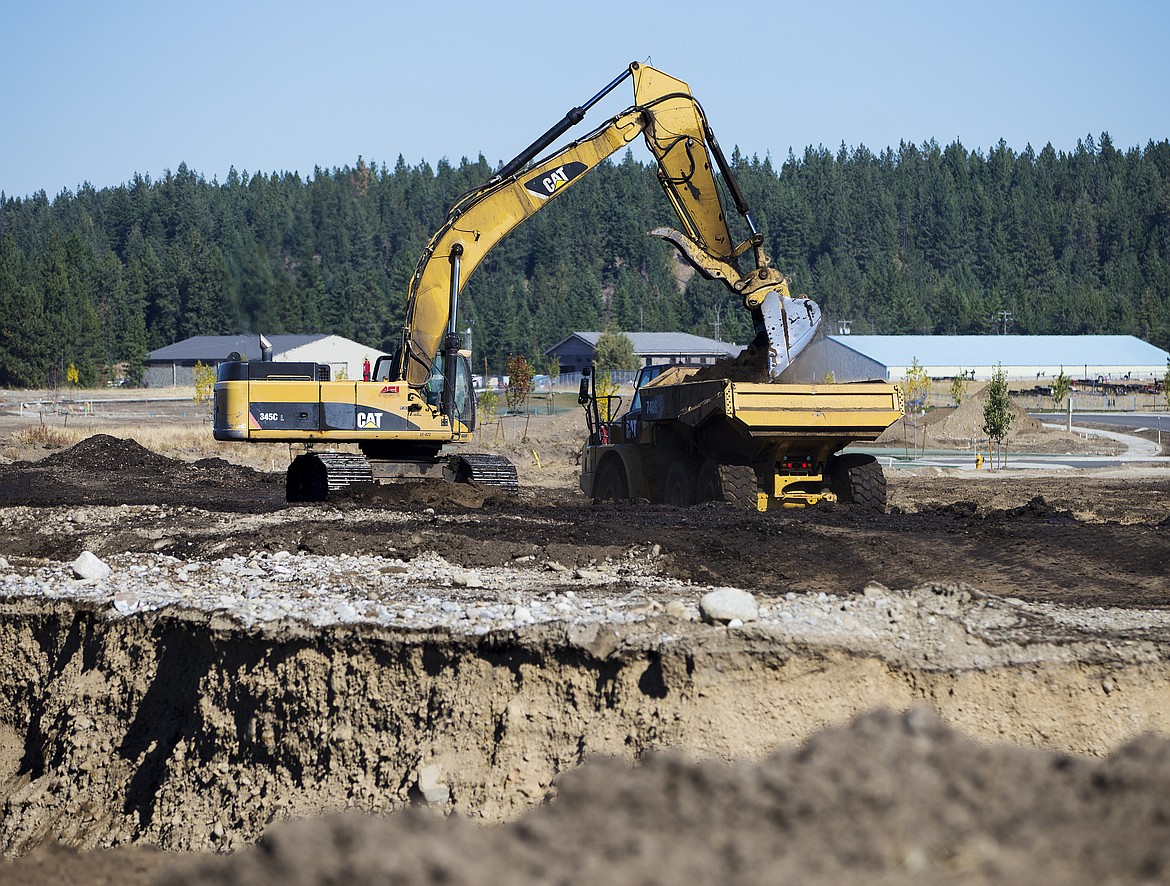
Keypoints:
pixel 961 427
pixel 749 365
pixel 967 418
pixel 899 797
pixel 104 453
pixel 1037 509
pixel 109 470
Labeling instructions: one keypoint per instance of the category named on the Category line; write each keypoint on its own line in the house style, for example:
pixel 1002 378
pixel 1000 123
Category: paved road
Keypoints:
pixel 1138 449
pixel 1136 420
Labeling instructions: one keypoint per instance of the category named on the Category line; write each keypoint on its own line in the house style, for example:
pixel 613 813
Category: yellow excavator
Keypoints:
pixel 421 398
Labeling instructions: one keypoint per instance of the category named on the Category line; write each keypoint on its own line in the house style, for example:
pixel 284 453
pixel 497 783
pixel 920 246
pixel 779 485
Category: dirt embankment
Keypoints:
pixel 189 733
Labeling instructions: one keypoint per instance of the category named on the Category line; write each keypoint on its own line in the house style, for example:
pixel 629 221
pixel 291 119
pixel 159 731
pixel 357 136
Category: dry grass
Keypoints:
pixel 193 442
pixel 48 437
pixel 189 442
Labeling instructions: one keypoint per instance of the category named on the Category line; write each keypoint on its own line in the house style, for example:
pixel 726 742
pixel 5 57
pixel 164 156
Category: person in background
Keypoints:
pixel 366 369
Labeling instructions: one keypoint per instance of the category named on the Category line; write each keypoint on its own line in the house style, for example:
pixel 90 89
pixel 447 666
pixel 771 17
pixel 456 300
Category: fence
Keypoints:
pixel 1082 401
pixel 573 379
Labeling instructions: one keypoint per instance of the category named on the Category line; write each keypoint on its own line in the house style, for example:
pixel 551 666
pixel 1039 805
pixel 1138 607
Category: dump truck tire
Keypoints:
pixel 735 484
pixel 680 484
pixel 610 484
pixel 859 480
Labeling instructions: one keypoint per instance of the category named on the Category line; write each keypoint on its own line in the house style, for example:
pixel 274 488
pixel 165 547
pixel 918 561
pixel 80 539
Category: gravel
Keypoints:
pixel 932 625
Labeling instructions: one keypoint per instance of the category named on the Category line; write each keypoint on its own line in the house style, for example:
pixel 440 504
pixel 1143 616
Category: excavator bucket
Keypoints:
pixel 791 324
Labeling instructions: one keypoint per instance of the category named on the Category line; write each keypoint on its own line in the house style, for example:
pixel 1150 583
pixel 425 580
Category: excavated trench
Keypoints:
pixel 187 731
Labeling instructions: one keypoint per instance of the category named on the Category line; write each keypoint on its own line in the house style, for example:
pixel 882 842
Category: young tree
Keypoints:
pixel 1061 385
pixel 519 381
pixel 959 389
pixel 204 376
pixel 552 367
pixel 997 415
pixel 489 402
pixel 1166 385
pixel 915 387
pixel 606 389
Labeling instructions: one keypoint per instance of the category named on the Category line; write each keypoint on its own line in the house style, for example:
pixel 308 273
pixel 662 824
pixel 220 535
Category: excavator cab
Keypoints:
pixel 464 391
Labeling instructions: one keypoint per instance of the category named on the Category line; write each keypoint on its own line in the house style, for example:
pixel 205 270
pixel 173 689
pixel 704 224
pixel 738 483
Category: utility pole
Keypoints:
pixel 1003 321
pixel 717 322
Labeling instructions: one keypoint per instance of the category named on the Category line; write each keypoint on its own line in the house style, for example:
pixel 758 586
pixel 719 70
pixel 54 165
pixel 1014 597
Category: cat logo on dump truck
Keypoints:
pixel 370 421
pixel 544 186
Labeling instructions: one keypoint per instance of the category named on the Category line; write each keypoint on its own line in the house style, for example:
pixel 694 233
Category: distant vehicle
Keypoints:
pixel 541 383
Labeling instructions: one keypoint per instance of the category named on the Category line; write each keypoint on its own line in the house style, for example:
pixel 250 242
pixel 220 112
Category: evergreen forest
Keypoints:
pixel 921 239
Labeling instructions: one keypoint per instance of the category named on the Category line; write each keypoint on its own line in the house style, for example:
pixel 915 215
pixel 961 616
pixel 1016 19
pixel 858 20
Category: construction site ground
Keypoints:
pixel 973 687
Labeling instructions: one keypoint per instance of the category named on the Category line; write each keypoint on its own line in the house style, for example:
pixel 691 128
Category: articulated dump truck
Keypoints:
pixel 761 445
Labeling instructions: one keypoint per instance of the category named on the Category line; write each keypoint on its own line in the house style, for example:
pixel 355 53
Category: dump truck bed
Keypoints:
pixel 860 411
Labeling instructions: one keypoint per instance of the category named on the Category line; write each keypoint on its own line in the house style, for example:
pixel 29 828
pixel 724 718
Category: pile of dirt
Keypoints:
pixel 896 797
pixel 109 470
pixel 102 453
pixel 966 419
pixel 961 427
pixel 749 365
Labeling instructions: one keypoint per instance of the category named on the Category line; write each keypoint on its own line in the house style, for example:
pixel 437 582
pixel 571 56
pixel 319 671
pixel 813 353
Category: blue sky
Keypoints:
pixel 96 91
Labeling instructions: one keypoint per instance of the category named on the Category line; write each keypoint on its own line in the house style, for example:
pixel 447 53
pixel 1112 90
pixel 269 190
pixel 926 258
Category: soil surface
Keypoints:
pixel 278 722
pixel 1070 538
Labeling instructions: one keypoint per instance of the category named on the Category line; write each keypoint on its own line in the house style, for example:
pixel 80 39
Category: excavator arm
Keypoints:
pixel 478 221
pixel 676 132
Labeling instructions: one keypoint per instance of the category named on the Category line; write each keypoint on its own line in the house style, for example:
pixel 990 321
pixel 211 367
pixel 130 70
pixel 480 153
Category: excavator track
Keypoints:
pixel 313 476
pixel 486 470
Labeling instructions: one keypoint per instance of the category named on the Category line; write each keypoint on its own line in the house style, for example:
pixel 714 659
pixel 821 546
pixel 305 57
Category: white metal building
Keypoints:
pixel 1108 357
pixel 174 365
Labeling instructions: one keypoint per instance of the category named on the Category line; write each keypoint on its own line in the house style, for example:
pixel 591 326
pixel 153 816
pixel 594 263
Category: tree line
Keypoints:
pixel 921 239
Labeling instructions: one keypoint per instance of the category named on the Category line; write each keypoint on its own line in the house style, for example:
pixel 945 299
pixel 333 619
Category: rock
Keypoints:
pixel 90 567
pixel 430 786
pixel 466 579
pixel 678 609
pixel 875 589
pixel 724 604
pixel 125 601
pixel 522 614
pixel 590 575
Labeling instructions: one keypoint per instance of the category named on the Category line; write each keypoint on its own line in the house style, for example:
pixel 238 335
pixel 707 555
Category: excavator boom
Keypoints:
pixel 676 132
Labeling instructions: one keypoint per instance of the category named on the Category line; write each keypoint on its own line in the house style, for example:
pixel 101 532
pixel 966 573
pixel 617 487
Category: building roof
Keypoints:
pixel 218 347
pixel 1010 350
pixel 661 343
